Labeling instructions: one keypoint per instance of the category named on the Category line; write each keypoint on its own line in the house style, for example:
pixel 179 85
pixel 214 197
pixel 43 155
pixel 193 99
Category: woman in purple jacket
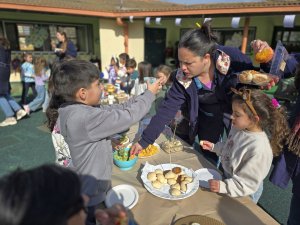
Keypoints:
pixel 201 90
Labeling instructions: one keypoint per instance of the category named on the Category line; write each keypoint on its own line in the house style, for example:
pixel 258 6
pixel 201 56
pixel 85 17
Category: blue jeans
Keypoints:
pixel 9 105
pixel 256 196
pixel 39 99
pixel 46 101
pixel 294 217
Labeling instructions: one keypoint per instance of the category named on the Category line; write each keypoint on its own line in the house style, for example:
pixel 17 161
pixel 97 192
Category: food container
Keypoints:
pixel 123 160
pixel 254 77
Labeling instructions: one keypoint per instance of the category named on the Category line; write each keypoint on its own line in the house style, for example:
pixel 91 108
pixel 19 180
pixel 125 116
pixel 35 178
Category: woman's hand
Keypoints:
pixel 206 145
pixel 116 214
pixel 258 45
pixel 156 86
pixel 214 185
pixel 135 149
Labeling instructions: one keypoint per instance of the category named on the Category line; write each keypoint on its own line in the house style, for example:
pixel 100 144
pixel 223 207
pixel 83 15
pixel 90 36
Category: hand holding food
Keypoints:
pixel 135 149
pixel 214 185
pixel 258 45
pixel 156 86
pixel 206 145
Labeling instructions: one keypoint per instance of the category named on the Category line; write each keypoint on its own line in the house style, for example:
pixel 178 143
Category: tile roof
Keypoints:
pixel 126 7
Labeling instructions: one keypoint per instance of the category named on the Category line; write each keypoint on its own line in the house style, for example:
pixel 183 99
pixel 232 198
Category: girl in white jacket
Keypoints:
pixel 258 128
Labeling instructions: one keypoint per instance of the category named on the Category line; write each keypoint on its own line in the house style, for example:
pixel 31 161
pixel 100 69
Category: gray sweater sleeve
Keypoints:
pixel 103 122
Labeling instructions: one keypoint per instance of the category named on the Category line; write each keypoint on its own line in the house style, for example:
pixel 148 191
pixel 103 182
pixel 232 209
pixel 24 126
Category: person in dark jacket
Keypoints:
pixel 201 90
pixel 287 165
pixel 65 48
pixel 9 106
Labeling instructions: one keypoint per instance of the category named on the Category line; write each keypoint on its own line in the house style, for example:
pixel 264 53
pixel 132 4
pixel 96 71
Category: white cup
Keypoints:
pixel 111 99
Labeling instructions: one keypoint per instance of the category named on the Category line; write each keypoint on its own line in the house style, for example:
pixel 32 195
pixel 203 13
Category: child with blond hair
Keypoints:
pixel 40 68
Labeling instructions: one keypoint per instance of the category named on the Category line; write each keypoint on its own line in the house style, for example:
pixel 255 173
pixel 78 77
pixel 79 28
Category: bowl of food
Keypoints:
pixel 123 159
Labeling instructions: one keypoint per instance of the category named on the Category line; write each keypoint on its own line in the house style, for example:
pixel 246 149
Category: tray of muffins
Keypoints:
pixel 170 181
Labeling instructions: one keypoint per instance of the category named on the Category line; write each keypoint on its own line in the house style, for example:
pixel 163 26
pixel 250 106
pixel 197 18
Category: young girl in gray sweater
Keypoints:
pixel 258 132
pixel 86 126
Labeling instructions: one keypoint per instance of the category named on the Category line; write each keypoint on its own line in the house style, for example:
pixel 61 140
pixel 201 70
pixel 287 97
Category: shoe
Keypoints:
pixel 20 114
pixel 8 121
pixel 27 109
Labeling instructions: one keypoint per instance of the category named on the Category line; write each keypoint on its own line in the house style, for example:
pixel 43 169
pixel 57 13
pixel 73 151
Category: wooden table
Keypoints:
pixel 157 211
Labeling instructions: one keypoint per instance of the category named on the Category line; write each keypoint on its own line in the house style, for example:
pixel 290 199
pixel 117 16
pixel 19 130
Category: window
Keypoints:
pixel 290 37
pixel 38 37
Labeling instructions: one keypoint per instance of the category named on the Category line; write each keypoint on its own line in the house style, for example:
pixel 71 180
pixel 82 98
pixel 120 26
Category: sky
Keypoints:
pixel 190 2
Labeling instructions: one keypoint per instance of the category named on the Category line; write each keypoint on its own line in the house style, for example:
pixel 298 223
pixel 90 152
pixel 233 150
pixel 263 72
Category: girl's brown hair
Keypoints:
pixel 145 70
pixel 272 120
pixel 39 64
pixel 63 44
pixel 166 70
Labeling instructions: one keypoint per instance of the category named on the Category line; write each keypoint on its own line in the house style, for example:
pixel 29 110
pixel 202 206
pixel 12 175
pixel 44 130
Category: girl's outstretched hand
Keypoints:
pixel 214 185
pixel 135 149
pixel 156 86
pixel 206 145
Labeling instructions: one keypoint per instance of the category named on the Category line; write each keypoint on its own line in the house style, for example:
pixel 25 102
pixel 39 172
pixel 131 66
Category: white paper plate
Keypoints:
pixel 205 174
pixel 163 192
pixel 124 194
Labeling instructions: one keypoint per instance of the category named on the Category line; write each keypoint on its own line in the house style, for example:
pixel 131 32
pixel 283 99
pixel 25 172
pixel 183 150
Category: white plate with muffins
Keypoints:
pixel 169 181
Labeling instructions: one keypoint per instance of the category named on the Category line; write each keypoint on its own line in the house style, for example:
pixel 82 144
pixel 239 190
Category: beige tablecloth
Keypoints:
pixel 157 211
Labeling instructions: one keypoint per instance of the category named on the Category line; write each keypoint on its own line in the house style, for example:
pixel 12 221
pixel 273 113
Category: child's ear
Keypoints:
pixel 256 118
pixel 81 94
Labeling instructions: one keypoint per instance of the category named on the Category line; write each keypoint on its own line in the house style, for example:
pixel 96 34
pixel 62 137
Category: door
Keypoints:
pixel 155 45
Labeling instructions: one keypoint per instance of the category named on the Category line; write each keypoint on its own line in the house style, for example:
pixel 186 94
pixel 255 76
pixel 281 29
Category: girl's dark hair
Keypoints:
pixel 65 43
pixel 200 41
pixel 130 63
pixel 67 77
pixel 145 70
pixel 272 120
pixel 45 195
pixel 124 56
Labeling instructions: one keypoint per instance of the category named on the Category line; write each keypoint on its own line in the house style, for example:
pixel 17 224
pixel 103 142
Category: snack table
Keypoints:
pixel 157 211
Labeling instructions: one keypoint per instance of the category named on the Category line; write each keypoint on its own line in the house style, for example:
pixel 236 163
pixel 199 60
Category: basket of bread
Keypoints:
pixel 169 181
pixel 254 77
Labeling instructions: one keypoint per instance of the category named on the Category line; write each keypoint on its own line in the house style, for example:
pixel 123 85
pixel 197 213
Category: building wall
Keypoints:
pixel 57 18
pixel 112 40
